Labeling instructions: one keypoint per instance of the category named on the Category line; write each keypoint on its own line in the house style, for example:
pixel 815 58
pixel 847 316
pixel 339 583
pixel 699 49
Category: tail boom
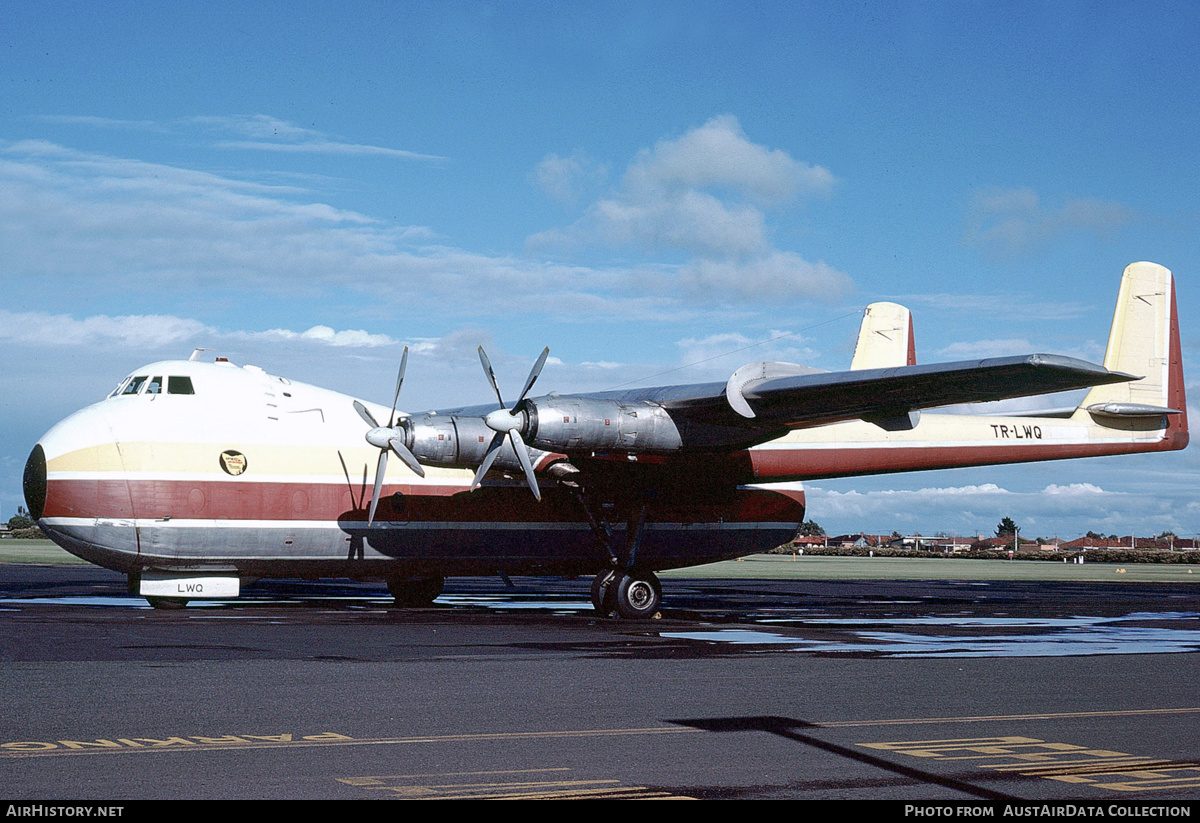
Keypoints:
pixel 1147 415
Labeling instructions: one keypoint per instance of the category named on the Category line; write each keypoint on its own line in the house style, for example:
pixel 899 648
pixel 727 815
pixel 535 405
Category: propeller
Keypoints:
pixel 507 422
pixel 388 438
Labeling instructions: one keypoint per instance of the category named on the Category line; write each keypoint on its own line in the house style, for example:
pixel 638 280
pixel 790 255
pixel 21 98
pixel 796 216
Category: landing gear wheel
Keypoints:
pixel 638 596
pixel 416 593
pixel 167 602
pixel 604 591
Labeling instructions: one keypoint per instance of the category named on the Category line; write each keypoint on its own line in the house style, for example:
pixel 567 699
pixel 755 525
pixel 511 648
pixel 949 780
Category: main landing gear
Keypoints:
pixel 624 588
pixel 633 595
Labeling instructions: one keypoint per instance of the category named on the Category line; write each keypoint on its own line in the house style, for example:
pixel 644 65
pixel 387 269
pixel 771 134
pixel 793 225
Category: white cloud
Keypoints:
pixel 716 356
pixel 704 194
pixel 104 122
pixel 319 146
pixel 774 275
pixel 701 193
pixel 156 331
pixel 1074 489
pixel 986 348
pixel 1004 223
pixel 463 341
pixel 85 222
pixel 564 178
pixel 354 338
pixel 132 331
pixel 264 133
pixel 92 223
pixel 91 219
pixel 256 126
pixel 718 154
pixel 689 220
pixel 80 215
pixel 268 133
pixel 1032 308
pixel 1088 350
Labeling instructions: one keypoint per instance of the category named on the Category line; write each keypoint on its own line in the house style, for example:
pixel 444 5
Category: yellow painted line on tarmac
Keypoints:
pixel 491 785
pixel 1062 762
pixel 988 718
pixel 1037 758
pixel 381 780
pixel 197 743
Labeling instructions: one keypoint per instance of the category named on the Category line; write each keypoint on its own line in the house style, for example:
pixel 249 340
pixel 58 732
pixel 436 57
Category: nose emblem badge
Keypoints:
pixel 233 462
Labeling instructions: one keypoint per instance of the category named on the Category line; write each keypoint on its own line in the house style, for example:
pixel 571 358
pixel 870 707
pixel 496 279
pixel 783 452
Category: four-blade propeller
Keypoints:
pixel 507 422
pixel 388 438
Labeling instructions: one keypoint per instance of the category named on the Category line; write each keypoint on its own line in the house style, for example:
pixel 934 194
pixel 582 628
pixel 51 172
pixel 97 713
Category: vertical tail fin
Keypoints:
pixel 885 338
pixel 1144 340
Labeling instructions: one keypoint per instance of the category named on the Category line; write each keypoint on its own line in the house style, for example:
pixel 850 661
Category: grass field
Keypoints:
pixel 35 551
pixel 779 566
pixel 776 566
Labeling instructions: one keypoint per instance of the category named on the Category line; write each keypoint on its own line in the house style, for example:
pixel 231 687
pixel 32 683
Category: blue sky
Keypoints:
pixel 658 191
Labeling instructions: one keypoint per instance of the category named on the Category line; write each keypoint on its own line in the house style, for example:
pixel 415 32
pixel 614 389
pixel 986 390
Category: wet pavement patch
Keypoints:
pixel 1139 633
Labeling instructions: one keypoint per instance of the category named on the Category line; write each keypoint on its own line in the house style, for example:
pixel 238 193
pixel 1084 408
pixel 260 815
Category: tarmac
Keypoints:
pixel 812 678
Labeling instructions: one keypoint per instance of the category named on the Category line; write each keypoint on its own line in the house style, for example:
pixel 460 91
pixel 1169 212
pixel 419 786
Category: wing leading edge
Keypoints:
pixel 813 400
pixel 884 396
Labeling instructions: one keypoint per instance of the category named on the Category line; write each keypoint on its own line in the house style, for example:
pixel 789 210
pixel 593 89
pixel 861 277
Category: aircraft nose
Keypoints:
pixel 76 489
pixel 35 482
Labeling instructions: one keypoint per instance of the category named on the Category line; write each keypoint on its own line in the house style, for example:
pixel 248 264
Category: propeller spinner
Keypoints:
pixel 388 438
pixel 508 422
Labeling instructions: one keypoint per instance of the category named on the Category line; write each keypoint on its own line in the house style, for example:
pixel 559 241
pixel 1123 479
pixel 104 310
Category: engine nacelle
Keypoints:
pixel 562 423
pixel 555 424
pixel 454 441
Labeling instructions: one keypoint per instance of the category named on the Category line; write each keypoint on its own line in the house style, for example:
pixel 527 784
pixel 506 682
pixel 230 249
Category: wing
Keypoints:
pixel 886 397
pixel 816 399
pixel 763 401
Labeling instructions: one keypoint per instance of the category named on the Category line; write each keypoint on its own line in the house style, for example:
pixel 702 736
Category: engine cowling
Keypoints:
pixel 563 423
pixel 455 441
pixel 551 425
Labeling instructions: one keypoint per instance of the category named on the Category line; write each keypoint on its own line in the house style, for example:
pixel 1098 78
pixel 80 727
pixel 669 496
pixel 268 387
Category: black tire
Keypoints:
pixel 638 596
pixel 604 591
pixel 167 603
pixel 416 593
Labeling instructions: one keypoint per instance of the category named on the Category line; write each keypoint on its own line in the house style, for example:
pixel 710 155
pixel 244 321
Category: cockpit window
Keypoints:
pixel 155 386
pixel 180 385
pixel 135 385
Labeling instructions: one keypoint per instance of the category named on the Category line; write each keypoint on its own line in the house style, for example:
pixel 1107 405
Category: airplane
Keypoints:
pixel 193 478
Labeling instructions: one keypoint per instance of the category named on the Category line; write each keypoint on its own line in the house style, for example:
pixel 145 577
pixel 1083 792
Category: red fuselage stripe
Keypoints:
pixel 234 500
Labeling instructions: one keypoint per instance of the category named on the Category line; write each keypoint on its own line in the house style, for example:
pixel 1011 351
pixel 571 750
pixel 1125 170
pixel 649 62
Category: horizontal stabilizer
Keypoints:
pixel 1130 410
